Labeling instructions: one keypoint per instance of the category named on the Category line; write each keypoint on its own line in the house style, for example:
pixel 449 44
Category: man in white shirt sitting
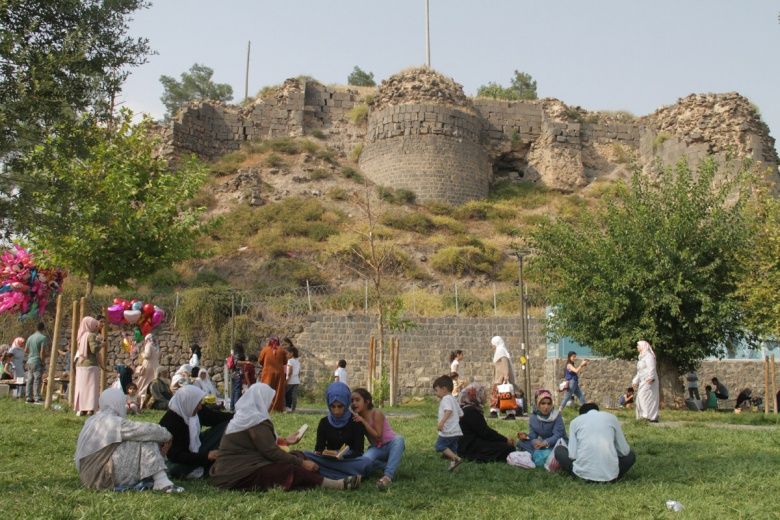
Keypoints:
pixel 597 450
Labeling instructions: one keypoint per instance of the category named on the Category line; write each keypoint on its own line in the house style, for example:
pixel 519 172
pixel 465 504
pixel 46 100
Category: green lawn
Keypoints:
pixel 717 465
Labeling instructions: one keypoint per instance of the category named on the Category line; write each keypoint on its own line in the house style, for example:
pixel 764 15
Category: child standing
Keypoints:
pixel 449 422
pixel 293 378
pixel 456 356
pixel 712 400
pixel 340 374
pixel 234 364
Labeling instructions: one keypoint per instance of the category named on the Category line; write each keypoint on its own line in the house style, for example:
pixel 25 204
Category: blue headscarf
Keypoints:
pixel 340 392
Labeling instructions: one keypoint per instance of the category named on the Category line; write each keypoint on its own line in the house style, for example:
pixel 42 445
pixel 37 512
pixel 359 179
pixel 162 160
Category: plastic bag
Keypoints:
pixel 552 465
pixel 520 459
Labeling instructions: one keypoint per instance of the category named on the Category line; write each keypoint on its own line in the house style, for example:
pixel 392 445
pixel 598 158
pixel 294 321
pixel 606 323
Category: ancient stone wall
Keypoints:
pixel 433 150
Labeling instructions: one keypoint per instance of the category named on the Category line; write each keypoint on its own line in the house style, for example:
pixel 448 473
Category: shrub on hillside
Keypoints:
pixel 358 114
pixel 351 173
pixel 467 260
pixel 482 210
pixel 408 221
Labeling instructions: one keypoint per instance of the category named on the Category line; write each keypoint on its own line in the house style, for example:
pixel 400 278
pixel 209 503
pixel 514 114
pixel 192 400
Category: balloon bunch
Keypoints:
pixel 25 287
pixel 143 317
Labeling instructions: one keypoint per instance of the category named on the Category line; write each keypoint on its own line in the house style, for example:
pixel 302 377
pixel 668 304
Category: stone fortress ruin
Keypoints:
pixel 418 131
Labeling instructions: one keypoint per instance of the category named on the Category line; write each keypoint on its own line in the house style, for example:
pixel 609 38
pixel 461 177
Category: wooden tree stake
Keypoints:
pixel 53 354
pixel 74 324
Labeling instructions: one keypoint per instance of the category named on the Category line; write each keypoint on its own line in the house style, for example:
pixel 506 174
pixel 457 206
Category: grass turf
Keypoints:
pixel 715 464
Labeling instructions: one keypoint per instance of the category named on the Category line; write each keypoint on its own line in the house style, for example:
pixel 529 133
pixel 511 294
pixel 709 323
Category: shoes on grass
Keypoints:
pixel 454 464
pixel 383 483
pixel 195 474
pixel 352 482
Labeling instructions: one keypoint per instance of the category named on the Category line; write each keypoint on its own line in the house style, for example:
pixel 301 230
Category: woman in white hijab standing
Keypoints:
pixel 646 383
pixel 115 453
pixel 502 373
pixel 148 369
pixel 87 387
pixel 192 451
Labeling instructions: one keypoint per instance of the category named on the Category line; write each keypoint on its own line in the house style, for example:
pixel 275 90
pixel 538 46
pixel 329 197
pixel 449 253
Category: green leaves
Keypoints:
pixel 194 85
pixel 657 260
pixel 106 205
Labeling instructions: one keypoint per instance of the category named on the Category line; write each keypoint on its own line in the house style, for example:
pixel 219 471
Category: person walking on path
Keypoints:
pixel 502 373
pixel 646 383
pixel 571 375
pixel 147 372
pixel 35 347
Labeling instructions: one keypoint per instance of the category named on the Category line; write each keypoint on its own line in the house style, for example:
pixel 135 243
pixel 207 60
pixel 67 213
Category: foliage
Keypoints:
pixel 408 221
pixel 228 163
pixel 319 174
pixel 396 196
pixel 360 78
pixel 358 114
pixel 59 61
pixel 656 260
pixel 105 205
pixel 274 160
pixel 351 173
pixel 760 286
pixel 338 194
pixel 467 260
pixel 522 86
pixel 482 210
pixel 318 134
pixel 195 85
pixel 201 315
pixel 356 152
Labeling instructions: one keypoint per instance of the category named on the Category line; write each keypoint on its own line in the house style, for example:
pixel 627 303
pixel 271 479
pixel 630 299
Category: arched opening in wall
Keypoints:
pixel 510 166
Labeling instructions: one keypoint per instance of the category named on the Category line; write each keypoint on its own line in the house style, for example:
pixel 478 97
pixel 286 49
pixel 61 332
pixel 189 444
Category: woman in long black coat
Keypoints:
pixel 480 442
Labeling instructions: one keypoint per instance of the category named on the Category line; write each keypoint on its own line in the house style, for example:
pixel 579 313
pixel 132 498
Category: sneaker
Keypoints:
pixel 352 482
pixel 383 483
pixel 510 417
pixel 195 474
pixel 172 489
pixel 494 415
pixel 454 464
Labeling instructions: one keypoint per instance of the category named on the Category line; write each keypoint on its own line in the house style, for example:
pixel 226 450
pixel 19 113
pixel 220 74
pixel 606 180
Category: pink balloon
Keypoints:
pixel 158 316
pixel 116 314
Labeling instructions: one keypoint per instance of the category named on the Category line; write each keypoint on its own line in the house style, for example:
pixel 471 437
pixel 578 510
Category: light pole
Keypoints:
pixel 427 36
pixel 524 361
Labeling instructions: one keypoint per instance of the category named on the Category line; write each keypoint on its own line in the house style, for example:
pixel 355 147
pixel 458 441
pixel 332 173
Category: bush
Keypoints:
pixel 285 145
pixel 319 174
pixel 439 208
pixel 466 260
pixel 291 272
pixel 448 224
pixel 526 195
pixel 318 134
pixel 164 278
pixel 208 278
pixel 274 161
pixel 327 155
pixel 338 194
pixel 309 146
pixel 358 114
pixel 482 210
pixel 345 300
pixel 228 163
pixel 356 152
pixel 399 196
pixel 408 221
pixel 351 173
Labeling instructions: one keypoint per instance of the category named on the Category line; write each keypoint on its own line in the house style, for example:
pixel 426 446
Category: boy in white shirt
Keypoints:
pixel 449 421
pixel 340 374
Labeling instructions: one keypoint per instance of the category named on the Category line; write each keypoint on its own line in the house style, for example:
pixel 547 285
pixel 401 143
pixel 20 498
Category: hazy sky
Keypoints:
pixel 601 55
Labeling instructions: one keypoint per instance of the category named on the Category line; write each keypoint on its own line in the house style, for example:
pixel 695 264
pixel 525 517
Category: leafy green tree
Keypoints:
pixel 761 284
pixel 105 205
pixel 59 60
pixel 522 86
pixel 194 85
pixel 361 78
pixel 656 260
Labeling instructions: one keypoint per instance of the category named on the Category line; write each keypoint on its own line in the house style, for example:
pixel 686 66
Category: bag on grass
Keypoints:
pixel 520 459
pixel 552 465
pixel 541 456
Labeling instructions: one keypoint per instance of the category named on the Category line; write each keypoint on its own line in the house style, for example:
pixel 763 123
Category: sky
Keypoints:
pixel 599 54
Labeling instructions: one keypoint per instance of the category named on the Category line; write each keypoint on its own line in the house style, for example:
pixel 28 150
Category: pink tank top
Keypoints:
pixel 387 434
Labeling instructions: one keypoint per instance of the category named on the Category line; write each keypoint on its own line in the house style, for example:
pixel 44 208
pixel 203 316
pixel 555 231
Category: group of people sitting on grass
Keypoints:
pixel 243 451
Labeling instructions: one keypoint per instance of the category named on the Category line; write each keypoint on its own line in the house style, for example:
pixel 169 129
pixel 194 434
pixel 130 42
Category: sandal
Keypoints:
pixel 383 483
pixel 172 489
pixel 352 482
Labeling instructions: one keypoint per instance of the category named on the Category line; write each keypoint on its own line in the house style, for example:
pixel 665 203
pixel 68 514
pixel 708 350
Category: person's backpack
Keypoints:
pixel 231 362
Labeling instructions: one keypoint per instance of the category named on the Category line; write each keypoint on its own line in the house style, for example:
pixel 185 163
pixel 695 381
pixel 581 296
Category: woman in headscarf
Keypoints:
pixel 336 430
pixel 203 381
pixel 160 390
pixel 87 389
pixel 150 352
pixel 502 373
pixel 646 383
pixel 182 377
pixel 273 359
pixel 192 451
pixel 250 458
pixel 115 453
pixel 17 351
pixel 480 442
pixel 545 428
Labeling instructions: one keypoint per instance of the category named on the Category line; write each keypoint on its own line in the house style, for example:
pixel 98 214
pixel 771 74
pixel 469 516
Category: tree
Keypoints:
pixel 105 205
pixel 361 78
pixel 656 260
pixel 523 86
pixel 59 60
pixel 760 286
pixel 194 85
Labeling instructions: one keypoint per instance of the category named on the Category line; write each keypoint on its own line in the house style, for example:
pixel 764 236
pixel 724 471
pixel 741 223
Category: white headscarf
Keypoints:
pixel 183 374
pixel 183 403
pixel 87 326
pixel 204 382
pixel 501 350
pixel 252 408
pixel 644 348
pixel 103 428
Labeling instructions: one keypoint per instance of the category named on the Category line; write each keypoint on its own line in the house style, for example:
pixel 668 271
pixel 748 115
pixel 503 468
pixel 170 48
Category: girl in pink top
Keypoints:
pixel 387 447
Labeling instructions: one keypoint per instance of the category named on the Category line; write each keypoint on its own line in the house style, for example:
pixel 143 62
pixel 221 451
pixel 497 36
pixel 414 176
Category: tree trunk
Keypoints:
pixel 672 392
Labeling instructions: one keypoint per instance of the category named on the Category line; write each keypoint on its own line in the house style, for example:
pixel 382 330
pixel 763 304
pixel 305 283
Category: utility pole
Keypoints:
pixel 246 76
pixel 523 328
pixel 427 35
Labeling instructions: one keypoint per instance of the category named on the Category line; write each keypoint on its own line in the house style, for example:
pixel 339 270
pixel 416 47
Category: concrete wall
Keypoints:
pixel 433 150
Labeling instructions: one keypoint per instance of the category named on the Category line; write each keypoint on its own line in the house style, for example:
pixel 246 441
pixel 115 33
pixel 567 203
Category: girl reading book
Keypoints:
pixel 339 446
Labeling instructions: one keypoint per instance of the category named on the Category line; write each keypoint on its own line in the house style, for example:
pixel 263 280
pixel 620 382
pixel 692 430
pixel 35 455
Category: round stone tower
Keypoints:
pixel 424 135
